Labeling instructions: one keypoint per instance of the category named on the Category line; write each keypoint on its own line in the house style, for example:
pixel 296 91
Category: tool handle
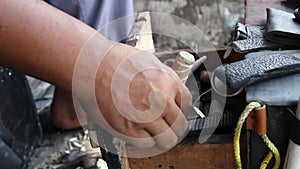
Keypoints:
pixel 183 64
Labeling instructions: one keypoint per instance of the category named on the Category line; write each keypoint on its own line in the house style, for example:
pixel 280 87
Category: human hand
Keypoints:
pixel 136 97
pixel 70 60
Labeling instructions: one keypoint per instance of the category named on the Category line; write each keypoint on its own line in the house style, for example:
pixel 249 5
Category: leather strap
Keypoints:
pixel 260 66
pixel 260 126
pixel 282 28
pixel 250 38
pixel 257 120
pixel 253 44
pixel 250 121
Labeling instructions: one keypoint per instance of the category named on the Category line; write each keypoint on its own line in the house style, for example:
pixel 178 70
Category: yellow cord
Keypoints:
pixel 266 160
pixel 273 149
pixel 270 145
pixel 237 133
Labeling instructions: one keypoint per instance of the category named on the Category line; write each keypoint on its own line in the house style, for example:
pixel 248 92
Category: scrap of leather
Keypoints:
pixel 257 121
pixel 247 31
pixel 250 38
pixel 282 27
pixel 253 44
pixel 250 121
pixel 281 31
pixel 260 66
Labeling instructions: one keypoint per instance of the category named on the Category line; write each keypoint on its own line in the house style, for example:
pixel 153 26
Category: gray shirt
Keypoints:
pixel 112 18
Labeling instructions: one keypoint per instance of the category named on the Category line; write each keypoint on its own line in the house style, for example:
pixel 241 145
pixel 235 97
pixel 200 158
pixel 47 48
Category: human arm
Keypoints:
pixel 41 41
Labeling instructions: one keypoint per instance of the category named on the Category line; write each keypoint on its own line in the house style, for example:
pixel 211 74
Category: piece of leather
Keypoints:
pixel 282 27
pixel 250 121
pixel 257 121
pixel 260 66
pixel 260 125
pixel 253 44
pixel 249 38
pixel 282 31
pixel 247 31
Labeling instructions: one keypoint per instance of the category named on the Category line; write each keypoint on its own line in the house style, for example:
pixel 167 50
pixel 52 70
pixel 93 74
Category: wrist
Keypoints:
pixel 94 56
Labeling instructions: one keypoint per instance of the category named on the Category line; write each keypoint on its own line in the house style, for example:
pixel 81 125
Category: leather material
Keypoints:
pixel 260 66
pixel 257 120
pixel 282 27
pixel 253 44
pixel 247 31
pixel 249 38
pixel 281 32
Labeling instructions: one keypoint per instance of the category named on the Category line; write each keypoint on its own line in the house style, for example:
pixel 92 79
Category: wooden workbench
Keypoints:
pixel 217 152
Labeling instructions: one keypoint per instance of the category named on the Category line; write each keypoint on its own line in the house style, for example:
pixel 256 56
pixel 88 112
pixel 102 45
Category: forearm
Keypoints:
pixel 40 40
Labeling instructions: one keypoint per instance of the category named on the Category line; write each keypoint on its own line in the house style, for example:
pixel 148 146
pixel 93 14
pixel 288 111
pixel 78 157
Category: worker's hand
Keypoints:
pixel 138 97
pixel 127 92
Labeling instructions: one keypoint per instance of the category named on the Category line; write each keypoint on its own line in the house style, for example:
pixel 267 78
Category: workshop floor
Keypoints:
pixel 216 19
pixel 66 150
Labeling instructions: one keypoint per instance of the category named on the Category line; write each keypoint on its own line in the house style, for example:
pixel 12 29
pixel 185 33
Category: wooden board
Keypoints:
pixel 216 153
pixel 205 156
pixel 141 33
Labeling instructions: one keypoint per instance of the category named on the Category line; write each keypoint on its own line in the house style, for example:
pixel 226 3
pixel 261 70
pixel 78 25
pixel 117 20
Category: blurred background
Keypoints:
pixel 215 18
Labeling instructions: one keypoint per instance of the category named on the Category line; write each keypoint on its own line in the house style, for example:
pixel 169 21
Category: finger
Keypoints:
pixel 184 99
pixel 135 134
pixel 141 139
pixel 176 119
pixel 130 132
pixel 162 133
pixel 183 96
pixel 134 152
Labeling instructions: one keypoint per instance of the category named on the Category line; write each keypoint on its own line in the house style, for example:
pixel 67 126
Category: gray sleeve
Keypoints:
pixel 112 18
